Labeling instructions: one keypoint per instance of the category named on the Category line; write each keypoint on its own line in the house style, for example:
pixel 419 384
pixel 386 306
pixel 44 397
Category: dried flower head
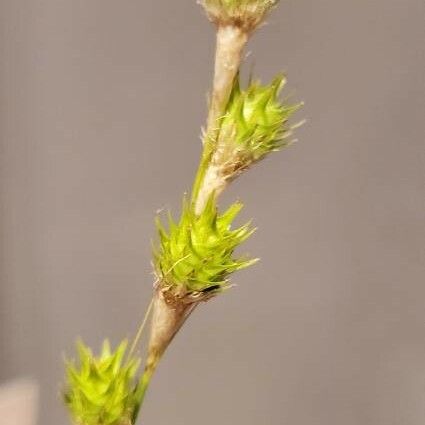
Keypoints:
pixel 102 390
pixel 245 14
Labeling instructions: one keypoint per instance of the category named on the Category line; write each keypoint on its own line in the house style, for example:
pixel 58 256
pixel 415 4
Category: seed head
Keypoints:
pixel 102 390
pixel 256 123
pixel 195 255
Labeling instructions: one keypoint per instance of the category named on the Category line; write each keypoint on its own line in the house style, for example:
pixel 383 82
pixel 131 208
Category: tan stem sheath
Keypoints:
pixel 168 315
pixel 213 181
pixel 231 41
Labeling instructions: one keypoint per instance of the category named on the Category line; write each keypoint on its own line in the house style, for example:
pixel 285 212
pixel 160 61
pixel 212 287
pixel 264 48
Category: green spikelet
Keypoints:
pixel 102 390
pixel 246 14
pixel 256 123
pixel 196 254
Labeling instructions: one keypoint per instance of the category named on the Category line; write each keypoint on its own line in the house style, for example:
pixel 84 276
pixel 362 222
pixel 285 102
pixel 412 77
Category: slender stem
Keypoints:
pixel 166 322
pixel 140 330
pixel 144 385
pixel 231 41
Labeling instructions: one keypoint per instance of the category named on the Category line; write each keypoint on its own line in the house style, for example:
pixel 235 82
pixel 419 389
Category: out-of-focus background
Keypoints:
pixel 101 105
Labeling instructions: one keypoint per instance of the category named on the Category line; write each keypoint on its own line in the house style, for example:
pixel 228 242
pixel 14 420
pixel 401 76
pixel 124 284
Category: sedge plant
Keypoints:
pixel 194 255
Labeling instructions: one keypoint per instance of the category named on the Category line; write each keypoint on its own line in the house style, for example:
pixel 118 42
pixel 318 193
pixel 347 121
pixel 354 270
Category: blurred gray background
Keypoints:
pixel 101 105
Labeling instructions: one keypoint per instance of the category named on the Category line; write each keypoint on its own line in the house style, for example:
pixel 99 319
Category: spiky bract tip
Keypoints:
pixel 102 390
pixel 195 255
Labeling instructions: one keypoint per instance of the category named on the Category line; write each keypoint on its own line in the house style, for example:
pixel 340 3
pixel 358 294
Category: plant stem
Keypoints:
pixel 167 319
pixel 230 43
pixel 142 389
pixel 168 316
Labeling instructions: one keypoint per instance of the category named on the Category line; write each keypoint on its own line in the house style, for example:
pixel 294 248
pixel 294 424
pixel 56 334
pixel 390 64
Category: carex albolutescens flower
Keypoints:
pixel 246 14
pixel 193 262
pixel 102 390
pixel 255 124
pixel 195 255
